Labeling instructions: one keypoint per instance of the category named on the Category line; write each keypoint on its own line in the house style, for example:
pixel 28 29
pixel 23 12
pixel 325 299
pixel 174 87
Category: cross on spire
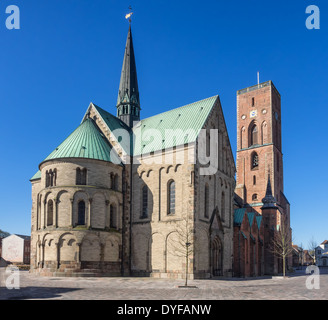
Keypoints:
pixel 128 16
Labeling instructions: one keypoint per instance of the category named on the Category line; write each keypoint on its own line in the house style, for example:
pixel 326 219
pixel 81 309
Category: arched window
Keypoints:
pixel 116 182
pixel 171 198
pixel 254 135
pixel 81 176
pixel 47 179
pixel 81 213
pixel 254 197
pixel 78 176
pixel 208 143
pixel 254 180
pixel 50 213
pixel 54 177
pixel 112 216
pixel 144 213
pixel 254 161
pixel 84 176
pixel 223 208
pixel 51 177
pixel 111 180
pixel 206 200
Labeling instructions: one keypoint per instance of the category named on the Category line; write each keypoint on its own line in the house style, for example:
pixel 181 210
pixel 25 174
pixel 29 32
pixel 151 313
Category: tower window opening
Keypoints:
pixel 254 135
pixel 254 161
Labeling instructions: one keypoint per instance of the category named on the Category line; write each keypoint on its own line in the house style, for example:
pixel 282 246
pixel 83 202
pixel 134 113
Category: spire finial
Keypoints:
pixel 128 16
pixel 128 103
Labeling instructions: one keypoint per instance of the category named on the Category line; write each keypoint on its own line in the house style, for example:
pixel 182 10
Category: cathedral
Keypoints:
pixel 126 196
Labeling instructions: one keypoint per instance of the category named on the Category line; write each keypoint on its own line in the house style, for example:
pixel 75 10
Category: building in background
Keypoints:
pixel 321 254
pixel 16 249
pixel 308 259
pixel 259 182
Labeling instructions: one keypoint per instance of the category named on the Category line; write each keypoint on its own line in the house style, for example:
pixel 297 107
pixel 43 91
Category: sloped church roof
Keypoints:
pixel 87 141
pixel 189 119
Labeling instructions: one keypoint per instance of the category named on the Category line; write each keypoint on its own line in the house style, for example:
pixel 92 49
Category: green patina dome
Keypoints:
pixel 85 142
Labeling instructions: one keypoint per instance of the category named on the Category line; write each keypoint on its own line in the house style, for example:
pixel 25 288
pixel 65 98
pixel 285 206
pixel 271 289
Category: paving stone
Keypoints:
pixel 34 287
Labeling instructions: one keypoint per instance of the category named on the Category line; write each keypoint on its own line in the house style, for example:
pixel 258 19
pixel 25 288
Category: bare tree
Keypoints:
pixel 282 244
pixel 311 246
pixel 184 245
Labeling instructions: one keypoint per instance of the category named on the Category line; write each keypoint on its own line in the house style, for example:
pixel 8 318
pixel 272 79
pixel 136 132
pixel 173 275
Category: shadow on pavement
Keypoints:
pixel 240 279
pixel 37 293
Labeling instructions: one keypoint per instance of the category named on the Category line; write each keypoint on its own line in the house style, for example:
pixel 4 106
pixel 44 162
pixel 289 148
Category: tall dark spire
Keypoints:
pixel 128 103
pixel 269 200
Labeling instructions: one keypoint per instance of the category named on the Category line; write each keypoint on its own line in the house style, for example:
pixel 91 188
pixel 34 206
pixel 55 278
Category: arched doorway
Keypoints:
pixel 216 257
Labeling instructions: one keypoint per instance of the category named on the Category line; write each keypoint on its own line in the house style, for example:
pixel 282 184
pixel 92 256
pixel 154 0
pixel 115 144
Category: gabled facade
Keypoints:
pixel 321 254
pixel 248 243
pixel 16 249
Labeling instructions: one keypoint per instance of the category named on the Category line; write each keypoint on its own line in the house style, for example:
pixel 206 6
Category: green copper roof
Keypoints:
pixel 85 142
pixel 116 125
pixel 239 216
pixel 250 216
pixel 258 220
pixel 190 117
pixel 37 176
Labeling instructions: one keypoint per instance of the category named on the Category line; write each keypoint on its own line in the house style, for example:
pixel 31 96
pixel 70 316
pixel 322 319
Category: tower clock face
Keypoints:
pixel 253 114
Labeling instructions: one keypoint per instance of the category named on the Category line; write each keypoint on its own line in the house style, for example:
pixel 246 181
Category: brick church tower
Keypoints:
pixel 259 149
pixel 259 183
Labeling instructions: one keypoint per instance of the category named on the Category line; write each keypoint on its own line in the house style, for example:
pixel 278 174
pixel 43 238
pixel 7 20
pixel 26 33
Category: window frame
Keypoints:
pixel 171 195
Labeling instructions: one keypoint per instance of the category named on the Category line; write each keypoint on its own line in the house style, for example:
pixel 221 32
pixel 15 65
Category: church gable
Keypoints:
pixel 215 222
pixel 115 130
pixel 216 121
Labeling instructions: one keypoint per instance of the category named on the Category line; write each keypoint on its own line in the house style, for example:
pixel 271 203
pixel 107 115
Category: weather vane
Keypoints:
pixel 128 16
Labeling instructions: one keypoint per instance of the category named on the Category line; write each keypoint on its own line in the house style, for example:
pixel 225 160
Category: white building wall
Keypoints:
pixel 13 249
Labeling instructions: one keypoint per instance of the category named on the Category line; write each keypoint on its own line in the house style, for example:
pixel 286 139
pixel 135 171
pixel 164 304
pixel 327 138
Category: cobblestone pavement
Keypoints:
pixel 34 287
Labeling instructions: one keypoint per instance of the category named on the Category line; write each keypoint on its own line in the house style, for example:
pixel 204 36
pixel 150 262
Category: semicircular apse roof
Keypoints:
pixel 87 141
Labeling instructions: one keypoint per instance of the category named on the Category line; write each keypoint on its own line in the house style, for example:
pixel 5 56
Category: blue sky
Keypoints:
pixel 69 53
